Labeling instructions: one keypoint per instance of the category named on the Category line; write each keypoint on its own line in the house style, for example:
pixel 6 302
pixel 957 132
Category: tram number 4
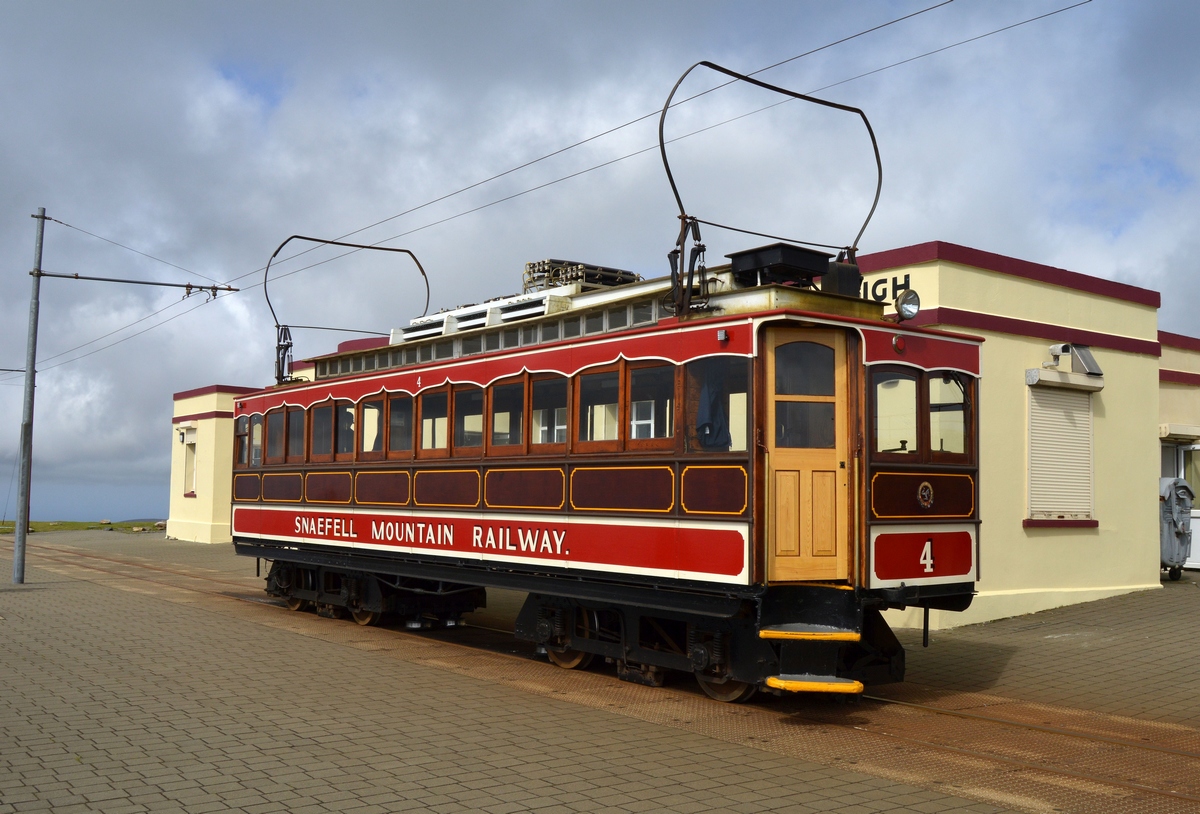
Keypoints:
pixel 927 556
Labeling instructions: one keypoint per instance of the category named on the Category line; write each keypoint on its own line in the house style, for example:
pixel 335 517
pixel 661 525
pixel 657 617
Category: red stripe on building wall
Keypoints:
pixel 1179 377
pixel 215 388
pixel 198 416
pixel 953 253
pixel 1040 330
pixel 1179 341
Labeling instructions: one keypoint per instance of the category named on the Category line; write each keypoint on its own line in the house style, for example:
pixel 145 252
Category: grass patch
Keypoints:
pixel 126 526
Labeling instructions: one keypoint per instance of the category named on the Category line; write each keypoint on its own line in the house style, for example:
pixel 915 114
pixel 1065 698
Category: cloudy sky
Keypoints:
pixel 205 134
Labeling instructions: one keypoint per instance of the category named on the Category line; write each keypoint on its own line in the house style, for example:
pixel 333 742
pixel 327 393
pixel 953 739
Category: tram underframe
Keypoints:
pixel 726 653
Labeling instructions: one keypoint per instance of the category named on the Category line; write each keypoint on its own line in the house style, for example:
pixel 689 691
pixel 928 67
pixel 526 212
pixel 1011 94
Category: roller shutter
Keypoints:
pixel 1060 454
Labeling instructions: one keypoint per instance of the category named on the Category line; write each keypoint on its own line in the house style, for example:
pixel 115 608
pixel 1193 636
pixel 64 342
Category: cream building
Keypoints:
pixel 1069 460
pixel 202 464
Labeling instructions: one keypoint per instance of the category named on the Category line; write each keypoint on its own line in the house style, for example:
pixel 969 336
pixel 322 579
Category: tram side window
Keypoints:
pixel 549 411
pixel 345 427
pixel 947 413
pixel 242 440
pixel 434 417
pixel 295 435
pixel 599 406
pixel 400 424
pixel 275 436
pixel 651 402
pixel 372 426
pixel 508 414
pixel 322 432
pixel 468 418
pixel 256 440
pixel 716 404
pixel 896 413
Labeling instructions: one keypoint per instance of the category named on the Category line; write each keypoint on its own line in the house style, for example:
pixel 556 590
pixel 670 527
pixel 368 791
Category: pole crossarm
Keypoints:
pixel 213 289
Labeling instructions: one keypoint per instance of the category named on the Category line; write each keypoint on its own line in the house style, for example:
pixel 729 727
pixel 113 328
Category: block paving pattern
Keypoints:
pixel 118 700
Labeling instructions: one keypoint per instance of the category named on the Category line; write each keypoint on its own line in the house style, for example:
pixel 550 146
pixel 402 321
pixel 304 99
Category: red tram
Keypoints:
pixel 729 471
pixel 737 494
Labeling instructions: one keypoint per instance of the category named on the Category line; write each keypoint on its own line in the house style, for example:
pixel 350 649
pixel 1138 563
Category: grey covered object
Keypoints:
pixel 1175 523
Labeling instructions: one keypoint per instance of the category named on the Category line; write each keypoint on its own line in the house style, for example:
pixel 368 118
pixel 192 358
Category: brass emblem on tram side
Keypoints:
pixel 925 494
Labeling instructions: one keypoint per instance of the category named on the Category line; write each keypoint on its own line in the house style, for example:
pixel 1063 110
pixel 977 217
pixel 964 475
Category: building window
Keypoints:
pixel 189 470
pixel 1060 454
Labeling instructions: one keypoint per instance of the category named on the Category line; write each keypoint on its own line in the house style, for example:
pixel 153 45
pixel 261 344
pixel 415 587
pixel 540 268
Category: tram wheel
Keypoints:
pixel 1175 572
pixel 295 603
pixel 730 692
pixel 576 659
pixel 366 618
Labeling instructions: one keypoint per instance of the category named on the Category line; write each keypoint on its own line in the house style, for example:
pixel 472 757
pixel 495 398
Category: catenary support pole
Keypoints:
pixel 22 525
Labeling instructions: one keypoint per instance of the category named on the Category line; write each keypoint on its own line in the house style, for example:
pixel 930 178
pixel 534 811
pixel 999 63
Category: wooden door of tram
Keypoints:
pixel 807 444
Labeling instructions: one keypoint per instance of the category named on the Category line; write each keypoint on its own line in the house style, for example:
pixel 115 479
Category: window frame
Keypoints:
pixel 400 454
pixel 241 442
pixel 500 450
pixel 268 459
pixel 575 420
pixel 340 404
pixel 292 413
pixel 422 453
pixel 360 410
pixel 667 443
pixel 967 456
pixel 313 455
pixel 553 447
pixel 474 451
pixel 920 407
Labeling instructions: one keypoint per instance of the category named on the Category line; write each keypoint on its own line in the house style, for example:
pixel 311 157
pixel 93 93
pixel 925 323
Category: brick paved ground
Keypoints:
pixel 118 699
pixel 1135 655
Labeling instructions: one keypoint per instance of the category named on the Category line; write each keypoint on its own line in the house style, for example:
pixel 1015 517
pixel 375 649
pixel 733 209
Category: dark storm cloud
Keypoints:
pixel 207 133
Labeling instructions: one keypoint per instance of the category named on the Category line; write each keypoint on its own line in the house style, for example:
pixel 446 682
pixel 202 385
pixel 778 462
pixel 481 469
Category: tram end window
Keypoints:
pixel 241 434
pixel 400 424
pixel 345 427
pixel 549 416
pixel 717 404
pixel 947 413
pixel 508 414
pixel 322 368
pixel 895 413
pixel 651 402
pixel 256 440
pixel 434 420
pixel 599 406
pixel 372 426
pixel 468 418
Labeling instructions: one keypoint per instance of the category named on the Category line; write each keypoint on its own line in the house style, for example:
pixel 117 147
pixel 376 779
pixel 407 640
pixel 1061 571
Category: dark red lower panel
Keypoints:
pixel 707 553
pixel 917 556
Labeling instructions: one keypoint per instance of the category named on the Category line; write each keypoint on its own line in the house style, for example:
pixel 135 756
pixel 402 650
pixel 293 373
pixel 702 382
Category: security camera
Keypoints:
pixel 1059 350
